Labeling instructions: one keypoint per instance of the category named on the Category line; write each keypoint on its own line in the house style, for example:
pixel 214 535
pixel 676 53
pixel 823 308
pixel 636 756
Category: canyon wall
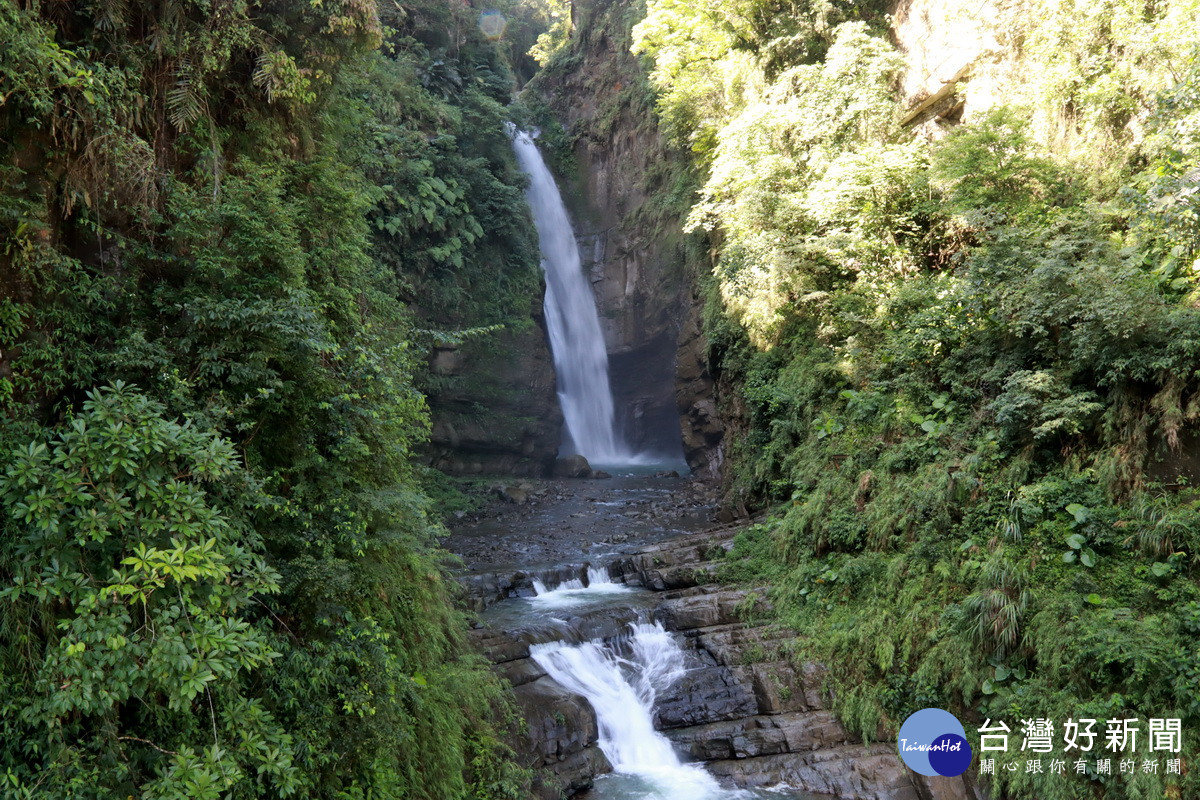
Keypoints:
pixel 624 186
pixel 495 411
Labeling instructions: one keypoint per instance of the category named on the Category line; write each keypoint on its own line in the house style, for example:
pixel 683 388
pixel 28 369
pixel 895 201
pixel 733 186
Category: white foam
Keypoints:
pixel 622 692
pixel 573 592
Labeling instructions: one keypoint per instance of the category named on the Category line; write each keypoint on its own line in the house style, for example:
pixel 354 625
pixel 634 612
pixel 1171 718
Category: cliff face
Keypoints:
pixel 631 239
pixel 495 410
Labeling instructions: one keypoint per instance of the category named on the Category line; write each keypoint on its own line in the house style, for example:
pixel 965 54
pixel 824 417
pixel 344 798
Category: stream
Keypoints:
pixel 621 676
pixel 566 610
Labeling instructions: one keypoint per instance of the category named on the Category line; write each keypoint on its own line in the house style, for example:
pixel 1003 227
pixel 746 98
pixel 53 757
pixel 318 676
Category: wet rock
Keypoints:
pixel 703 611
pixel 702 427
pixel 521 431
pixel 519 672
pixel 513 494
pixel 575 466
pixel 601 474
pixel 560 735
pixel 707 692
pixel 679 564
pixel 752 737
pixel 499 647
pixel 849 772
pixel 485 589
pixel 570 775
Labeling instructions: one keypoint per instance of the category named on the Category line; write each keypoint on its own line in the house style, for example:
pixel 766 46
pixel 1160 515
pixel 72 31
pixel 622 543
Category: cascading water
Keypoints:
pixel 576 342
pixel 621 675
pixel 573 591
pixel 621 690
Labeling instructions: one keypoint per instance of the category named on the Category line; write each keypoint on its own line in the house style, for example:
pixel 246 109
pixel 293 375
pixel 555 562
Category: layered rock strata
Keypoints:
pixel 754 717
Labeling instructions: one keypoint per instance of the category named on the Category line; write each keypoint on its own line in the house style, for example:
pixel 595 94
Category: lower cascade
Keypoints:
pixel 621 680
pixel 574 590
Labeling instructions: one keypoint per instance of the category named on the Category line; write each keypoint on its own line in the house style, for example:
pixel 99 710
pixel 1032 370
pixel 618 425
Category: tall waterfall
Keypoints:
pixel 622 690
pixel 580 359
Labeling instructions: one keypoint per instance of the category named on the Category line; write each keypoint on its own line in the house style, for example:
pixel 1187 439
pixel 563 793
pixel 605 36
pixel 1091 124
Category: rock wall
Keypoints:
pixel 631 241
pixel 495 411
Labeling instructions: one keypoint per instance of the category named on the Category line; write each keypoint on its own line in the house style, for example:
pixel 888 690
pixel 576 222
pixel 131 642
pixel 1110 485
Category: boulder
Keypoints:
pixel 513 494
pixel 560 736
pixel 559 723
pixel 575 466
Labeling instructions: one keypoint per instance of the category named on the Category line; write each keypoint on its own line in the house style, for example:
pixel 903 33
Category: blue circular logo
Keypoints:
pixel 933 742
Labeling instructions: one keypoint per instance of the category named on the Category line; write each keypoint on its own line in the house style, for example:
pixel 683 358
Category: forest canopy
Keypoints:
pixel 228 229
pixel 964 353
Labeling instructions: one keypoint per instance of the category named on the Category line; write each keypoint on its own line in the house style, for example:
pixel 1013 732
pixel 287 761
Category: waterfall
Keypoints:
pixel 574 592
pixel 576 342
pixel 621 689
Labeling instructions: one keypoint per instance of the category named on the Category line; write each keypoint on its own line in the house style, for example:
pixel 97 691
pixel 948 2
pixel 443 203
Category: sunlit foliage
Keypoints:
pixel 962 366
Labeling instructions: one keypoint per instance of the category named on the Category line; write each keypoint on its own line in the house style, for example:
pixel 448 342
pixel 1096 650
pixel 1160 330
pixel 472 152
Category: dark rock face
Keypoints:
pixel 512 375
pixel 634 250
pixel 754 717
pixel 702 427
pixel 560 737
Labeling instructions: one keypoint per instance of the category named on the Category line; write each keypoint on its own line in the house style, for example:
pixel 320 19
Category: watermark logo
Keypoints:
pixel 933 742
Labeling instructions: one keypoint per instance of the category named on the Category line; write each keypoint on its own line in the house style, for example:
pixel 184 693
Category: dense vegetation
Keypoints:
pixel 965 370
pixel 229 230
pixel 967 365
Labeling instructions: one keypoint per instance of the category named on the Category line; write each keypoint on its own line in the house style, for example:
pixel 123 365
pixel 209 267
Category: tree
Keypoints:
pixel 127 613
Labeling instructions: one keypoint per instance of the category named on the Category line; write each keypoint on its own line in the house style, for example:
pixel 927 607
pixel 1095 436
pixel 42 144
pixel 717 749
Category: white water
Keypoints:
pixel 622 692
pixel 572 592
pixel 576 342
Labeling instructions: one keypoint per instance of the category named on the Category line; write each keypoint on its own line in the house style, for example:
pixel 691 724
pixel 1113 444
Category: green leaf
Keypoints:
pixel 1094 599
pixel 1076 541
pixel 1088 557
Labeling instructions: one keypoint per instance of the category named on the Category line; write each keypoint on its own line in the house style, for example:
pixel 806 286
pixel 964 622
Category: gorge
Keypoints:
pixel 796 352
pixel 817 362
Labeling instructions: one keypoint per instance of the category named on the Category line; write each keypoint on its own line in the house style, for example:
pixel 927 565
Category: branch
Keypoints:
pixel 146 742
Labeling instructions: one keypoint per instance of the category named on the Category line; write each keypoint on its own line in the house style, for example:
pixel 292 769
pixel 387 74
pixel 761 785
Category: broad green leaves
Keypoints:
pixel 132 580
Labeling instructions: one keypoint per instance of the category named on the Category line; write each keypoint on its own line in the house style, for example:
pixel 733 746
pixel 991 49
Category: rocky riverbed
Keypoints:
pixel 752 715
pixel 532 525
